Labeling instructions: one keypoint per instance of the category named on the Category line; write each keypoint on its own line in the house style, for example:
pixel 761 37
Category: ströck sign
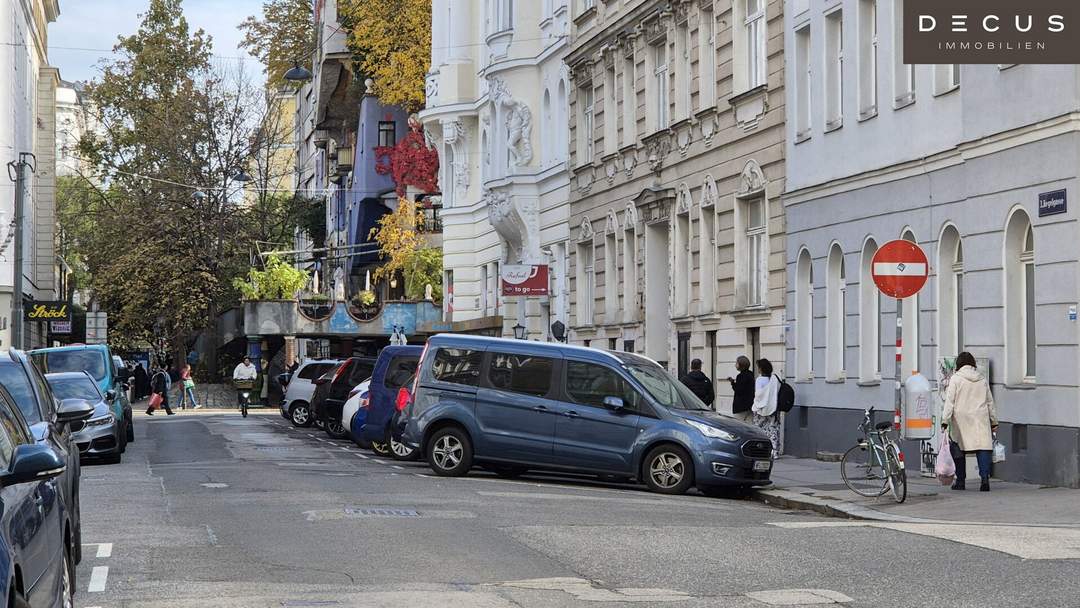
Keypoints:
pixel 48 311
pixel 524 279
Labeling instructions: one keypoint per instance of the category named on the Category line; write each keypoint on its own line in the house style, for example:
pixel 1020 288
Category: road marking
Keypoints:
pixel 98 576
pixel 104 550
pixel 399 468
pixel 379 461
pixel 422 475
pixel 362 456
pixel 214 485
pixel 789 597
pixel 347 450
pixel 211 536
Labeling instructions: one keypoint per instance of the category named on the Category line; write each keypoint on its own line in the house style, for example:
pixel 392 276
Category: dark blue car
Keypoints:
pixel 394 367
pixel 37 566
pixel 514 405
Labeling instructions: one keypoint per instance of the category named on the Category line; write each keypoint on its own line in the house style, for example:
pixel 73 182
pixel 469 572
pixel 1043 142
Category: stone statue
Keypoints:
pixel 339 284
pixel 518 123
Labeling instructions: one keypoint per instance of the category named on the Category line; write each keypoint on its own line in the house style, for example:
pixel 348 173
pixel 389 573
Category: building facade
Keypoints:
pixel 74 119
pixel 497 110
pixel 677 160
pixel 974 163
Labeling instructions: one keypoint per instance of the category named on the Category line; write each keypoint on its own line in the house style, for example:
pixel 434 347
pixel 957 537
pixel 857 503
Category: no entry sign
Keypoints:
pixel 899 269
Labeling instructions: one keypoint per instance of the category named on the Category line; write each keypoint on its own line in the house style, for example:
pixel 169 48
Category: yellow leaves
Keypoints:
pixel 399 237
pixel 392 43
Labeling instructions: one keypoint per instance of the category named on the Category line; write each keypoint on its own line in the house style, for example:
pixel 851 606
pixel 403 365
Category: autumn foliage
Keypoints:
pixel 404 249
pixel 391 42
pixel 410 163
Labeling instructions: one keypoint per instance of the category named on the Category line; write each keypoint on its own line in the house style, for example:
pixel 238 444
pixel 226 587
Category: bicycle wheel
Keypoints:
pixel 243 409
pixel 897 474
pixel 862 472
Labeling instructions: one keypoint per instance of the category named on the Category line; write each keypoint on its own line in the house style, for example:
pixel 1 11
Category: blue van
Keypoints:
pixel 96 360
pixel 394 367
pixel 514 405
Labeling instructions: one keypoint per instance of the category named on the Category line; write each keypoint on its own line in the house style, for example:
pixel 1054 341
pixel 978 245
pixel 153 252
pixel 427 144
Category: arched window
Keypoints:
pixel 682 277
pixel 562 134
pixel 950 288
pixel 1020 334
pixel 836 305
pixel 547 134
pixel 910 308
pixel 804 316
pixel 869 317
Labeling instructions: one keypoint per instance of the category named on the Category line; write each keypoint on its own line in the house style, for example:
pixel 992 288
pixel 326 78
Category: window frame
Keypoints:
pixel 636 408
pixel 384 132
pixel 479 373
pixel 587 141
pixel 834 70
pixel 553 373
pixel 661 96
pixel 756 32
pixel 757 255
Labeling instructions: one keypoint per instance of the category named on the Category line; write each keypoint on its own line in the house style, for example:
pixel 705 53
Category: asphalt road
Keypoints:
pixel 215 510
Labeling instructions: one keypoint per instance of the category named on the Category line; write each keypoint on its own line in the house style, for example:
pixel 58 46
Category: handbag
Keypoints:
pixel 999 451
pixel 155 401
pixel 945 468
pixel 189 383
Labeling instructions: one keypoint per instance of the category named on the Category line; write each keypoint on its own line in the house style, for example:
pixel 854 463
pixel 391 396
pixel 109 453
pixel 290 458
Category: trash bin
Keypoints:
pixel 918 419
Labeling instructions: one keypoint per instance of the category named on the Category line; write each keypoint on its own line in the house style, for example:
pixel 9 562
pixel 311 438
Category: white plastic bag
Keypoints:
pixel 945 467
pixel 999 450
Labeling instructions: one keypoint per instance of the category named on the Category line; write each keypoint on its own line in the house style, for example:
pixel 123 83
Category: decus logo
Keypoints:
pixel 990 31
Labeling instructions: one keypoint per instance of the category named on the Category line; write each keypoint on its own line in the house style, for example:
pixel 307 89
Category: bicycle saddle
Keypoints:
pixel 883 426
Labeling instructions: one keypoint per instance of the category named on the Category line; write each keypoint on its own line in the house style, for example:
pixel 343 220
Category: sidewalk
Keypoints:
pixel 808 484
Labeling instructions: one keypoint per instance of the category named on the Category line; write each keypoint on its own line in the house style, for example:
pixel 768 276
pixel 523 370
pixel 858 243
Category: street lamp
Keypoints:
pixel 199 195
pixel 241 177
pixel 297 73
pixel 519 331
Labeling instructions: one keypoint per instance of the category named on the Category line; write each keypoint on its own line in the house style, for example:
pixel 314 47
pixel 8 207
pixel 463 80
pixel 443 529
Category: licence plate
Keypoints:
pixel 762 465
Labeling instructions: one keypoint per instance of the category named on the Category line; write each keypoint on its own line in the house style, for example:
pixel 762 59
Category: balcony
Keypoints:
pixel 337 319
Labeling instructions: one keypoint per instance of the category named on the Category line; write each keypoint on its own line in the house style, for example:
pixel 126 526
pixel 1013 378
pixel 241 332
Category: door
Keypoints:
pixel 514 408
pixel 398 371
pixel 589 434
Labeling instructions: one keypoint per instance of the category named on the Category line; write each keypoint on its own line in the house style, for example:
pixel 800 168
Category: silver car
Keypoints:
pixel 102 435
pixel 296 405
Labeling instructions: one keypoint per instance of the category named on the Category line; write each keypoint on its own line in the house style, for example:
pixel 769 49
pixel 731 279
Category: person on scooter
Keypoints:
pixel 244 373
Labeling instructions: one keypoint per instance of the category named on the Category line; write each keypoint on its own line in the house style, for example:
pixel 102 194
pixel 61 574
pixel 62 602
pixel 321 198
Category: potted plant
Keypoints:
pixel 364 305
pixel 316 306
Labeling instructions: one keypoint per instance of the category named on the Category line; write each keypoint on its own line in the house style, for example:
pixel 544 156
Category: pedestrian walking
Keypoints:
pixel 742 385
pixel 766 391
pixel 699 383
pixel 264 393
pixel 160 383
pixel 970 419
pixel 142 381
pixel 188 388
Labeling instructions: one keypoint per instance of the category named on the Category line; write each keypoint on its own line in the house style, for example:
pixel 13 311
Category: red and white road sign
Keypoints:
pixel 900 269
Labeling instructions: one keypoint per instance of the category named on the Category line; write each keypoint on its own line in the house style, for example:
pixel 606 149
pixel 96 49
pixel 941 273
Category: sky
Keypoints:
pixel 96 24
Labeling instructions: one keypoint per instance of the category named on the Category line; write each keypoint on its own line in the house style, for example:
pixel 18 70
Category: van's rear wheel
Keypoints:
pixel 668 470
pixel 449 452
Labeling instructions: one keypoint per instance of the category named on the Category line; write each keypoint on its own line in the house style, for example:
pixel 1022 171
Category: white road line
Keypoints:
pixel 98 576
pixel 399 468
pixel 422 475
pixel 347 450
pixel 104 550
pixel 361 456
pixel 380 461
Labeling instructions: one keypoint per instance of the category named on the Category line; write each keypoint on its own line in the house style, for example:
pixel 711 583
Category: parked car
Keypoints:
pixel 393 369
pixel 37 544
pixel 331 391
pixel 513 405
pixel 98 361
pixel 351 413
pixel 296 404
pixel 50 425
pixel 102 435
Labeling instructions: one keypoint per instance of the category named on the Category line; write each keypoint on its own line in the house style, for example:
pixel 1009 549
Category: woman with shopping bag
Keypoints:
pixel 971 419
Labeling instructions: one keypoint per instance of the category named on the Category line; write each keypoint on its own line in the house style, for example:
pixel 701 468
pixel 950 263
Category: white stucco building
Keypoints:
pixel 975 163
pixel 497 111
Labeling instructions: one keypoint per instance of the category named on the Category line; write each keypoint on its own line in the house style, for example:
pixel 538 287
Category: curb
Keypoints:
pixel 786 499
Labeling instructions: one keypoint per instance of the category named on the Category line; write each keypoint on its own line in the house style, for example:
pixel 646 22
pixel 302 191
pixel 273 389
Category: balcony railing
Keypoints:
pixel 432 219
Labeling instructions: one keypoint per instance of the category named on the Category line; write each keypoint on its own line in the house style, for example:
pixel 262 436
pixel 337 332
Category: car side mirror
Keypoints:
pixel 32 462
pixel 74 410
pixel 110 395
pixel 614 404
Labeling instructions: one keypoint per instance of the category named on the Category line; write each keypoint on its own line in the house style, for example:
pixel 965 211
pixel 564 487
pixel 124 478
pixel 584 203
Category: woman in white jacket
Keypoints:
pixel 971 418
pixel 766 390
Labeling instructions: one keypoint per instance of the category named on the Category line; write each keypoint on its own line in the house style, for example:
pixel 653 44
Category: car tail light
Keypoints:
pixel 403 399
pixel 365 402
pixel 341 370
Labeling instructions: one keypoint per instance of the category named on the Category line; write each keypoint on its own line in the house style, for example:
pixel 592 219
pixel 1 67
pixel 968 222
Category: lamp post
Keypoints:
pixel 298 73
pixel 519 331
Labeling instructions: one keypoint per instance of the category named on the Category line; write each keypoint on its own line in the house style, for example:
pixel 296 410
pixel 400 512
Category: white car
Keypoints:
pixel 296 404
pixel 357 396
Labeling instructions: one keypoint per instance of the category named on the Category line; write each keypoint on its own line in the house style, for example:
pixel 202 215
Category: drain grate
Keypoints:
pixel 382 512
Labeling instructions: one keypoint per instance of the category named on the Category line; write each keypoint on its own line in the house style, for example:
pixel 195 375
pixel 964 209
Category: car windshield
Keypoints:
pixel 89 361
pixel 15 381
pixel 664 388
pixel 75 388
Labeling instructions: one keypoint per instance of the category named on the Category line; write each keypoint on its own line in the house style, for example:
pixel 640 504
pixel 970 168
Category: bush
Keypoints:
pixel 277 281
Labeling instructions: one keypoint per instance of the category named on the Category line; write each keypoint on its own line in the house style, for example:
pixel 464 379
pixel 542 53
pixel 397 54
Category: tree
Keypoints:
pixel 403 247
pixel 391 41
pixel 276 281
pixel 410 163
pixel 283 37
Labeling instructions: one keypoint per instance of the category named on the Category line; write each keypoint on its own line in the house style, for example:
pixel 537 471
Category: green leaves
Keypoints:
pixel 278 281
pixel 285 35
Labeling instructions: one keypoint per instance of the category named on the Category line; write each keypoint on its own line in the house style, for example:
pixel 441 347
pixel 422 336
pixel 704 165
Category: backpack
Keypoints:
pixel 785 397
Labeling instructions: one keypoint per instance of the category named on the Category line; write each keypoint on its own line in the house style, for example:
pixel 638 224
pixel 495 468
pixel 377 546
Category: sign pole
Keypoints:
pixel 899 361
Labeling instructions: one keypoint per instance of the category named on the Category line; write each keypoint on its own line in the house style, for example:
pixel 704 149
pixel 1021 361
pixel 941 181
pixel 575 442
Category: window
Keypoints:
pixel 628 346
pixel 400 370
pixel 613 343
pixel 903 74
pixel 707 60
pixel 586 142
pixel 802 83
pixel 589 384
pixel 682 354
pixel 868 58
pixel 14 379
pixel 1020 318
pixel 76 388
pixel 682 71
pixel 804 316
pixel 447 185
pixel 611 122
pixel 315 370
pixel 585 6
pixel 457 366
pixel 834 70
pixel 946 78
pixel 1027 258
pixel 910 309
pixel 12 433
pixel 586 283
pixel 950 267
pixel 521 373
pixel 629 289
pixel 629 100
pixel 680 271
pixel 361 371
pixel 503 17
pixel 707 257
pixel 90 361
pixel 869 317
pixel 660 86
pixel 611 281
pixel 835 320
pixel 755 43
pixel 387 133
pixel 757 255
pixel 484 289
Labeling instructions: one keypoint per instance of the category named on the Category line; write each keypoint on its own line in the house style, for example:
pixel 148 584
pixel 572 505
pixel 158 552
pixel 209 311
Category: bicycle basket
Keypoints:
pixel 244 385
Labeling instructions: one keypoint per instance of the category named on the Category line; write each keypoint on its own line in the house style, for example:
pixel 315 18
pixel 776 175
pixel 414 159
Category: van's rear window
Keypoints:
pixel 457 366
pixel 90 361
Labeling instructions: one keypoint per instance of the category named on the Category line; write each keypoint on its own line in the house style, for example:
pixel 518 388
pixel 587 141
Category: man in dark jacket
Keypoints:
pixel 699 383
pixel 743 387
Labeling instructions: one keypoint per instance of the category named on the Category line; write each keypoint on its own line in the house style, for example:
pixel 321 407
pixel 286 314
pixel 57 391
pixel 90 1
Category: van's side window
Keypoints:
pixel 399 371
pixel 588 383
pixel 521 373
pixel 315 370
pixel 457 365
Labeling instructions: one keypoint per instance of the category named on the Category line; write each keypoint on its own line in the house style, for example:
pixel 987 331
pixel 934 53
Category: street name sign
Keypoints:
pixel 899 269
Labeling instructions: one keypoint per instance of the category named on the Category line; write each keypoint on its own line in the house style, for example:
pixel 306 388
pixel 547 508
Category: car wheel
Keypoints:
pixel 668 470
pixel 336 430
pixel 449 452
pixel 130 430
pixel 300 414
pixel 67 585
pixel 401 451
pixel 382 448
pixel 121 440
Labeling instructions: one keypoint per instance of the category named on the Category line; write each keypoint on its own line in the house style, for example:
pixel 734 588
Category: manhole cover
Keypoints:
pixel 382 512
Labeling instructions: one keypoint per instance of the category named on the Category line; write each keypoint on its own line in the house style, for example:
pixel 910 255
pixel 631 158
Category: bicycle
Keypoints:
pixel 875 465
pixel 244 387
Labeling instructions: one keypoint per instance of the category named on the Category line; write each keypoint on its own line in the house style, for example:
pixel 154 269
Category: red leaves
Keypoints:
pixel 410 163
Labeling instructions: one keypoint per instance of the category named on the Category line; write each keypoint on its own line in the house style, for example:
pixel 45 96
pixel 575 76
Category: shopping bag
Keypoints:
pixel 999 451
pixel 155 401
pixel 946 466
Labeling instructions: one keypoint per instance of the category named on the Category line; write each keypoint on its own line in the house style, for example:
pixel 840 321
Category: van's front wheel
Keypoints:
pixel 449 452
pixel 668 470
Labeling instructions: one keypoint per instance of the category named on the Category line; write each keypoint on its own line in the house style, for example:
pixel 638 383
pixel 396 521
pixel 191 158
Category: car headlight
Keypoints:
pixel 712 431
pixel 101 420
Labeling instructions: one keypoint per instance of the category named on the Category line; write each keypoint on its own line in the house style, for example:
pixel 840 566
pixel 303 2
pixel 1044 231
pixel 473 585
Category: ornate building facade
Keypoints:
pixel 497 112
pixel 677 166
